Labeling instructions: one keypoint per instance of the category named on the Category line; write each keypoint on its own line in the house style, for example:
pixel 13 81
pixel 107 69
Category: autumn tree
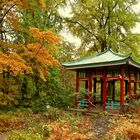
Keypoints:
pixel 20 54
pixel 44 18
pixel 104 24
pixel 29 46
pixel 10 61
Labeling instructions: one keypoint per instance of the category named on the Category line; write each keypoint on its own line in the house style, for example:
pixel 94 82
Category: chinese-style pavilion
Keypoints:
pixel 111 70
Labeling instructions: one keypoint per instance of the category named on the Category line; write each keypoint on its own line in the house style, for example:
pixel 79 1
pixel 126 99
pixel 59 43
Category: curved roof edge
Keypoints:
pixel 106 58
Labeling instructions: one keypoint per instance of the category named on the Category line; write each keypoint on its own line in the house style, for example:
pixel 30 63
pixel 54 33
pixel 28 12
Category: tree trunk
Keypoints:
pixel 103 46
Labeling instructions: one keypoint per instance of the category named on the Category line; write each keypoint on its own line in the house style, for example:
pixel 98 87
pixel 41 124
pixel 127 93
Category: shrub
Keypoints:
pixel 24 135
pixel 38 128
pixel 8 122
pixel 52 113
pixel 135 106
pixel 7 100
pixel 34 131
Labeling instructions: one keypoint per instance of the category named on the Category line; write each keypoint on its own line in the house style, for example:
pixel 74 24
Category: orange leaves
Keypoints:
pixel 40 58
pixel 34 56
pixel 64 132
pixel 125 128
pixel 44 37
pixel 25 58
pixel 13 63
pixel 42 4
pixel 21 3
pixel 41 74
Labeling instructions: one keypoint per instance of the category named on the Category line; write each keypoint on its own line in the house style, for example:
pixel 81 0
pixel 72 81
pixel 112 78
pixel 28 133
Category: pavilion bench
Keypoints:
pixel 83 103
pixel 112 105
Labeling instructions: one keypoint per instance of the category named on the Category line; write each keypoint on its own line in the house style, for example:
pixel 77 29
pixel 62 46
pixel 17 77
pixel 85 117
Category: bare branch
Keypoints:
pixel 82 27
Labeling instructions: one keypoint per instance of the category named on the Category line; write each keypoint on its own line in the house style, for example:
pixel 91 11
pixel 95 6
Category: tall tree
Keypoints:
pixel 24 49
pixel 103 24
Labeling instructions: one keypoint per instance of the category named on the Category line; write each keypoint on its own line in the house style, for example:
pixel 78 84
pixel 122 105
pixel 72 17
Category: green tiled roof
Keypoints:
pixel 106 58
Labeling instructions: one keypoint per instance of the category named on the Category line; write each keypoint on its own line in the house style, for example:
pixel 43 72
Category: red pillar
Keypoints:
pixel 77 89
pixel 90 91
pixel 122 86
pixel 104 89
pixel 113 96
pixel 101 91
pixel 95 89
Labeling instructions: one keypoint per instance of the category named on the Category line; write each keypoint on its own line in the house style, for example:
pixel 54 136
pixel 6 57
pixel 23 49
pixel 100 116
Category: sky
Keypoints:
pixel 68 36
pixel 137 9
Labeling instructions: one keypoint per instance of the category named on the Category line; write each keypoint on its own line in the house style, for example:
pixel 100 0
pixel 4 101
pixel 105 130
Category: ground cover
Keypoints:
pixel 66 125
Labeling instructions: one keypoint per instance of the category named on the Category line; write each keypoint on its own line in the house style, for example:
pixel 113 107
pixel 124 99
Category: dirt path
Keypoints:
pixel 101 126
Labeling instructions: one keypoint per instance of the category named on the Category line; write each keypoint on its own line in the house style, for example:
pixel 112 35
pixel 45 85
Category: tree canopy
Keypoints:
pixel 105 24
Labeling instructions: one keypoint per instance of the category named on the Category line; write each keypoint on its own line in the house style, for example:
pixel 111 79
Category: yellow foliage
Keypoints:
pixel 41 74
pixel 42 4
pixel 13 63
pixel 40 58
pixel 64 132
pixel 34 56
pixel 44 37
pixel 5 100
pixel 21 3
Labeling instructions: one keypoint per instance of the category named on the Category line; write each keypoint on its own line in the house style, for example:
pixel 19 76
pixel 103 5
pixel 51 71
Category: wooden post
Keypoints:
pixel 101 91
pixel 122 86
pixel 104 89
pixel 90 91
pixel 94 89
pixel 77 89
pixel 113 94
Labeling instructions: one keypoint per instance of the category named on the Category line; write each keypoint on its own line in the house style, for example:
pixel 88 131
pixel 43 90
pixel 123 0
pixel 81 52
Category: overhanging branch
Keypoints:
pixel 82 27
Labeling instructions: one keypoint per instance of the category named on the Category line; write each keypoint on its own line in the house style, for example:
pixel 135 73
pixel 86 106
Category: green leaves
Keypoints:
pixel 104 24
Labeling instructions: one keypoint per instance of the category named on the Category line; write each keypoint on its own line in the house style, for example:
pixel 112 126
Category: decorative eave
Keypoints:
pixel 134 63
pixel 106 58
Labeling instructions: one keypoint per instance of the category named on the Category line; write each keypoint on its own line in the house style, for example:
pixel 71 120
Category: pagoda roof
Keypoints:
pixel 106 58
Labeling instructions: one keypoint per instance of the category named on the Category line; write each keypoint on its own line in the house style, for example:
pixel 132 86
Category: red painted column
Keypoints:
pixel 94 88
pixel 101 91
pixel 90 91
pixel 104 89
pixel 113 96
pixel 77 89
pixel 122 86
